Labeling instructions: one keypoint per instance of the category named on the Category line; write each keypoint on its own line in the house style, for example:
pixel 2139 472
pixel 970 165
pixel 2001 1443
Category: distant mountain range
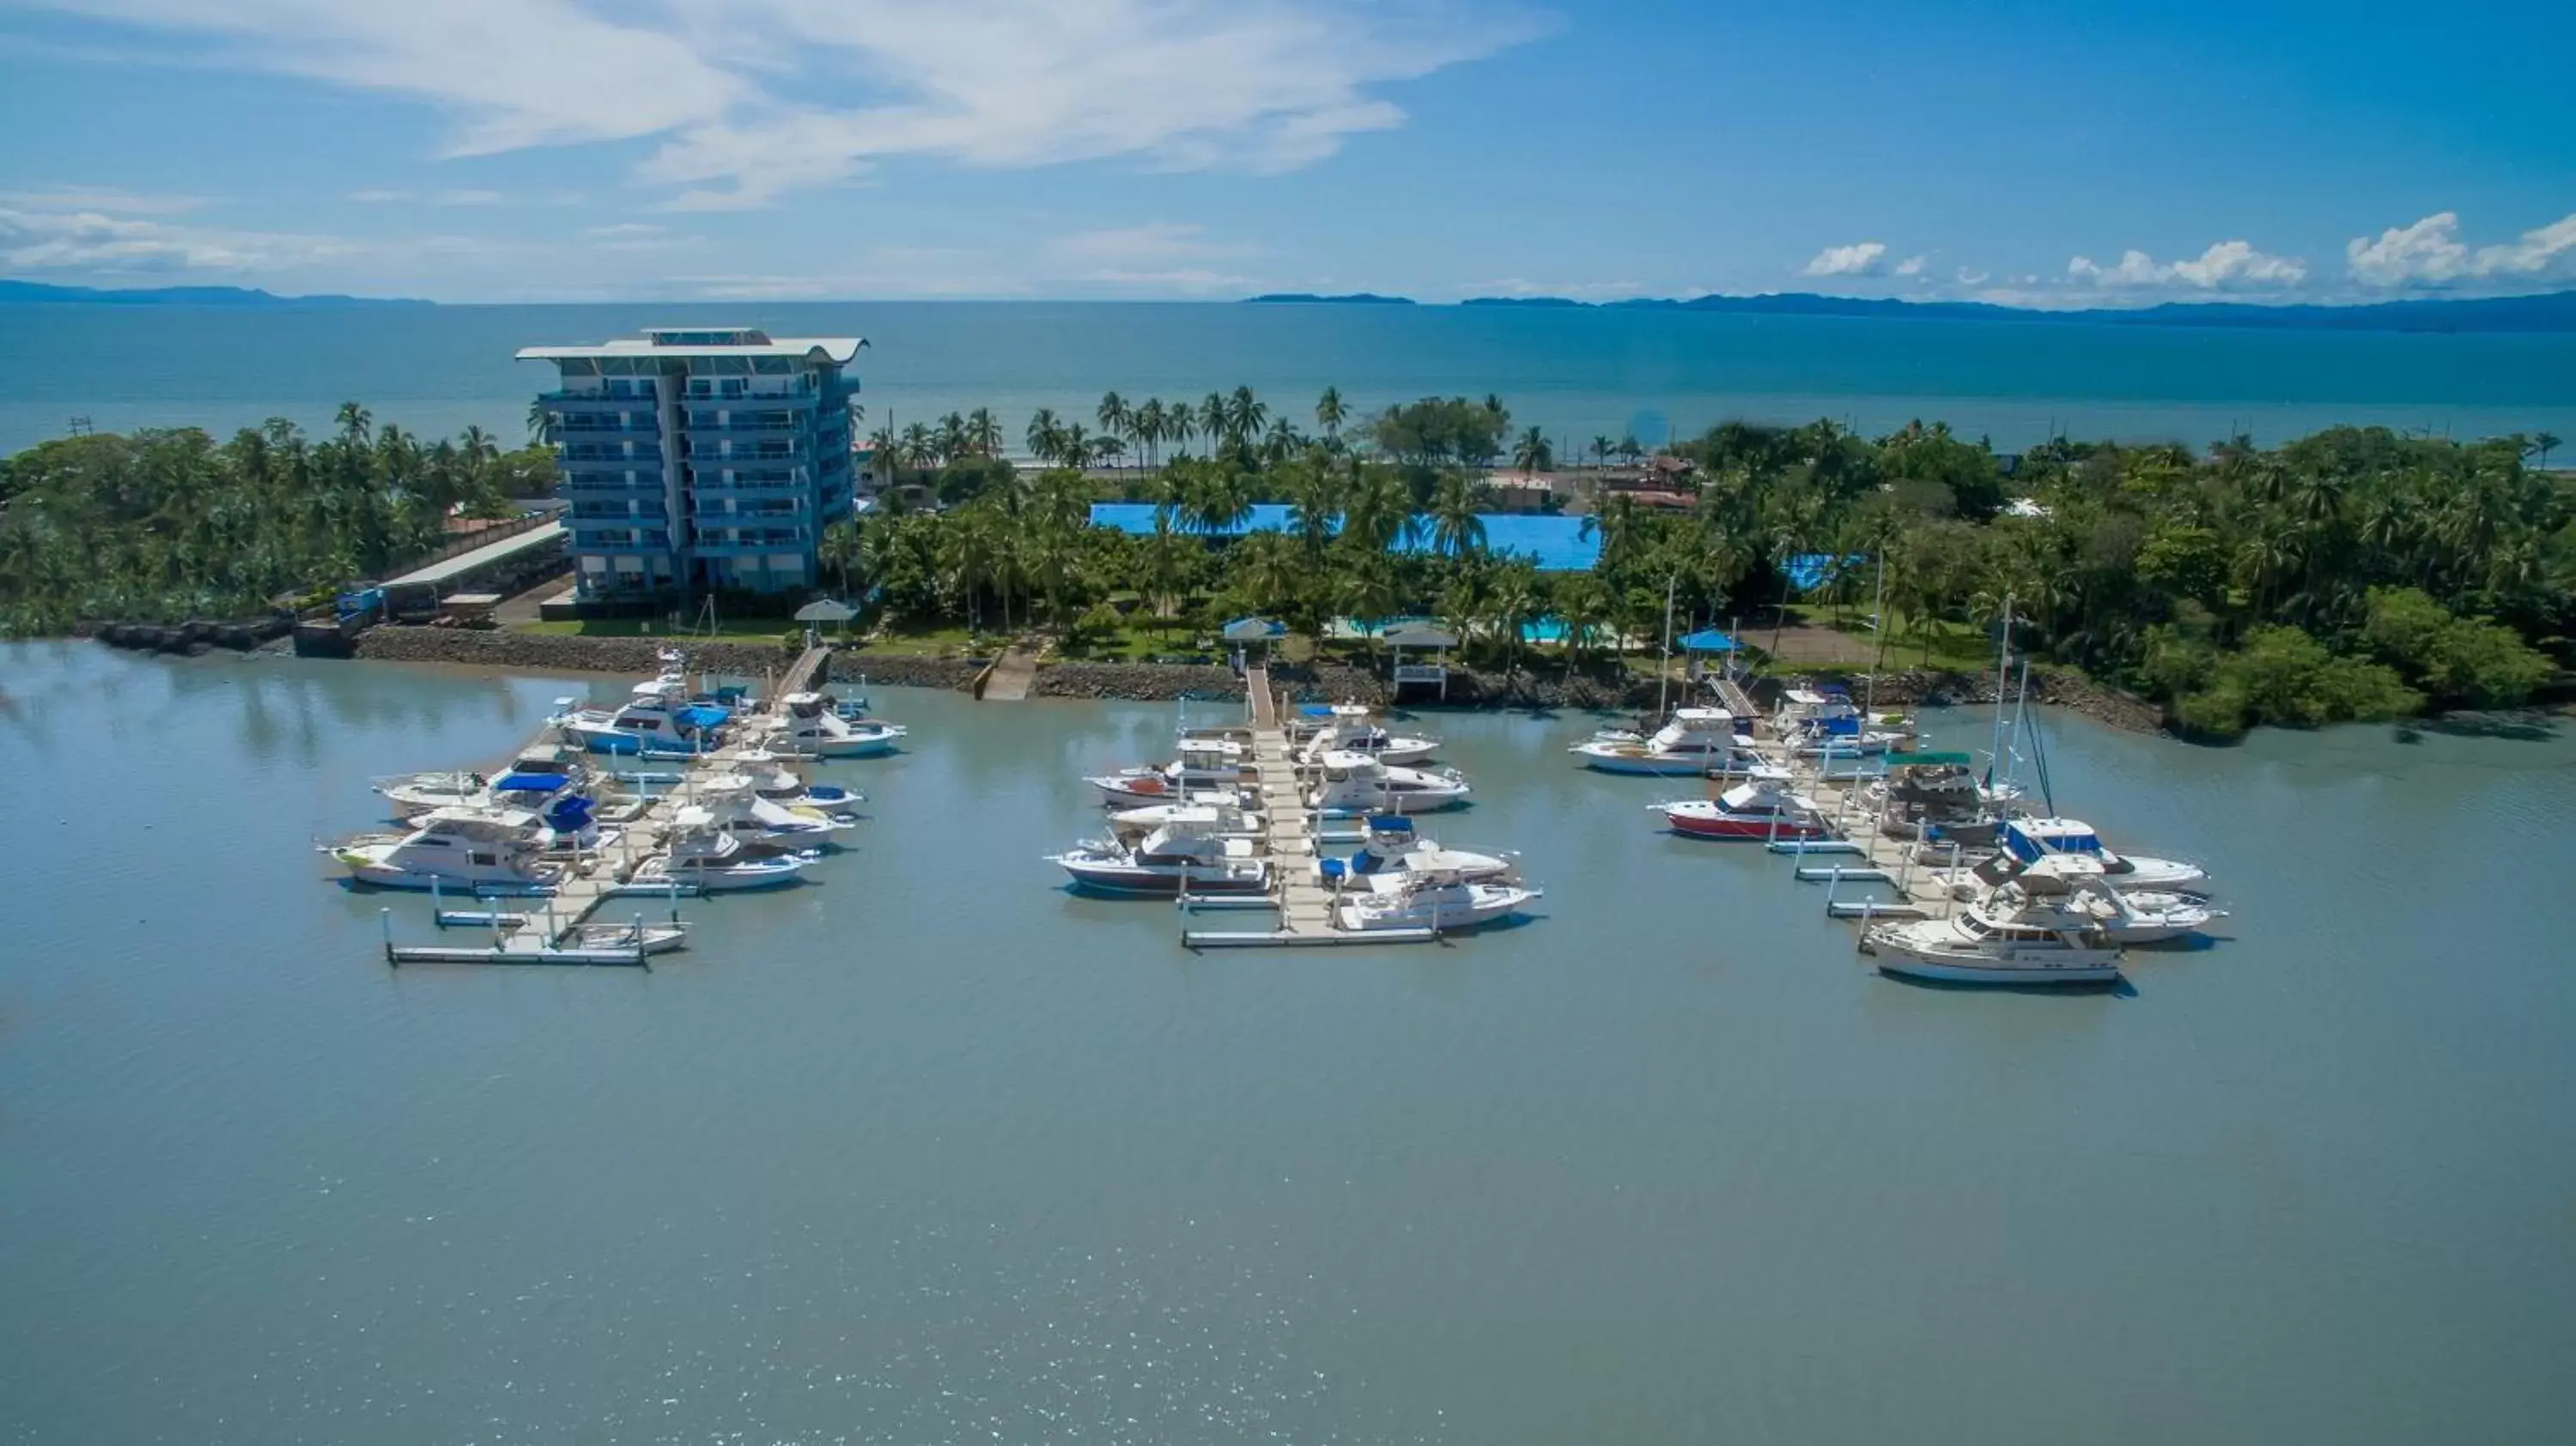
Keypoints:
pixel 1356 298
pixel 37 291
pixel 2550 312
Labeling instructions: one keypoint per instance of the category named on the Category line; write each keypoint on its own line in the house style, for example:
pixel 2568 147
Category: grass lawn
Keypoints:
pixel 957 642
pixel 764 630
pixel 1137 643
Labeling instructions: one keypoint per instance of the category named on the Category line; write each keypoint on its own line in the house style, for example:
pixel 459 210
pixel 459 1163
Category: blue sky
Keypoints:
pixel 489 150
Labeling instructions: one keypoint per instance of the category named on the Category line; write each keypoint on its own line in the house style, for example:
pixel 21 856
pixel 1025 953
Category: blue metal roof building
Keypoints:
pixel 1555 544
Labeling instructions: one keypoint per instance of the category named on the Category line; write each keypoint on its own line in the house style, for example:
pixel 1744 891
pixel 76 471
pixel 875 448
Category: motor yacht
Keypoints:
pixel 1204 763
pixel 2043 927
pixel 784 786
pixel 2031 839
pixel 1172 858
pixel 479 851
pixel 1345 728
pixel 1392 846
pixel 658 720
pixel 1428 900
pixel 732 802
pixel 702 855
pixel 807 725
pixel 1823 722
pixel 413 793
pixel 1763 806
pixel 1225 816
pixel 1692 741
pixel 1349 785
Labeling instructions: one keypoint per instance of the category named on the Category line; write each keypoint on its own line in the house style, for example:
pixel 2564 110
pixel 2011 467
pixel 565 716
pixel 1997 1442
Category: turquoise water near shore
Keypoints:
pixel 929 1151
pixel 1576 373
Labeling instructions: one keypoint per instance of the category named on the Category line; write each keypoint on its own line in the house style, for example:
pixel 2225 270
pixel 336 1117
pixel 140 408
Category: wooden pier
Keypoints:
pixel 1292 841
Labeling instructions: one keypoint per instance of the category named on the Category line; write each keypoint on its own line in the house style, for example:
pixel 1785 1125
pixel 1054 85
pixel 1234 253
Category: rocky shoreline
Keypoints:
pixel 1173 682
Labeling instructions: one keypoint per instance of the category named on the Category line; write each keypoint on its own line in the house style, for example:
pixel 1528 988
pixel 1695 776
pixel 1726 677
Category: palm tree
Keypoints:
pixel 1281 442
pixel 1042 434
pixel 1583 605
pixel 1107 451
pixel 1328 413
pixel 951 441
pixel 1113 415
pixel 353 421
pixel 1244 415
pixel 1072 446
pixel 1455 528
pixel 1148 422
pixel 1179 423
pixel 1511 604
pixel 1212 420
pixel 1602 447
pixel 1223 498
pixel 2542 445
pixel 541 422
pixel 478 447
pixel 1375 509
pixel 918 449
pixel 1532 453
pixel 1314 498
pixel 1629 450
pixel 983 433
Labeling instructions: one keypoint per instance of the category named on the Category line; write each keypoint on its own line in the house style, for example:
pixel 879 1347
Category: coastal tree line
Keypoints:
pixel 2352 574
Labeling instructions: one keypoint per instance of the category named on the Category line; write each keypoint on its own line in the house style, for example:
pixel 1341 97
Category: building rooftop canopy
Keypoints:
pixel 706 341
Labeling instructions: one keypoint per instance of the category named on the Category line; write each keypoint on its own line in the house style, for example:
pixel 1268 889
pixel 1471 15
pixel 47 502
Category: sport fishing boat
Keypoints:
pixel 1351 785
pixel 1393 847
pixel 2041 928
pixel 809 726
pixel 658 720
pixel 1692 741
pixel 1203 764
pixel 1345 728
pixel 1428 900
pixel 1171 858
pixel 1823 722
pixel 2154 916
pixel 787 788
pixel 477 851
pixel 2032 839
pixel 704 856
pixel 732 802
pixel 1218 816
pixel 1935 797
pixel 1763 807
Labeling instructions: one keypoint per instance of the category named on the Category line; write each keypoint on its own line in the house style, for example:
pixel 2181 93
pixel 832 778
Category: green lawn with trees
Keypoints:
pixel 2356 573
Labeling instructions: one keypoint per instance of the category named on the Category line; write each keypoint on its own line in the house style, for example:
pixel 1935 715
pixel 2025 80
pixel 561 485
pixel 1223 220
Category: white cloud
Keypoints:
pixel 108 199
pixel 97 242
pixel 377 197
pixel 2226 266
pixel 1966 277
pixel 735 94
pixel 1911 266
pixel 2430 254
pixel 1861 259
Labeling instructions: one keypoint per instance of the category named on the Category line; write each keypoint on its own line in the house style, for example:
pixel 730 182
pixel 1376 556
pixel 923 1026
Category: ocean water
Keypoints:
pixel 1577 373
pixel 930 1151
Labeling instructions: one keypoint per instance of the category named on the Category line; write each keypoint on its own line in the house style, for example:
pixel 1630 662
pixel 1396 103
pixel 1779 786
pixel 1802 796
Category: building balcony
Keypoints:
pixel 575 459
pixel 742 542
pixel 699 394
pixel 611 541
pixel 743 424
pixel 706 486
pixel 711 512
pixel 590 402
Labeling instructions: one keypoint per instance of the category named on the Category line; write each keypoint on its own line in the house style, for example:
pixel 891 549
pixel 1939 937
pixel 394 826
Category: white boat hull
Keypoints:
pixel 1961 971
pixel 1452 910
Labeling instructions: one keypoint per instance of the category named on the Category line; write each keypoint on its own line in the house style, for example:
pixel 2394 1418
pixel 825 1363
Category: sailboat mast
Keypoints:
pixel 2003 681
pixel 1878 629
pixel 1664 672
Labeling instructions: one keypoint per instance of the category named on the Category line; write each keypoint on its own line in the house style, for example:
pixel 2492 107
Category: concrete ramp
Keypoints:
pixel 1009 680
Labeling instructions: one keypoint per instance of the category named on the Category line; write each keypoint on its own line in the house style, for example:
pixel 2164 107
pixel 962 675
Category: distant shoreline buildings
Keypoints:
pixel 699 459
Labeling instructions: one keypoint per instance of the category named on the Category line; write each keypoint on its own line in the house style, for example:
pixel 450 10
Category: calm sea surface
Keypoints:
pixel 928 1151
pixel 1577 373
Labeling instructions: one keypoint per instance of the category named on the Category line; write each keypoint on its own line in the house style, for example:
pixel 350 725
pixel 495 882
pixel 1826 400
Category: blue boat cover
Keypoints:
pixel 2028 848
pixel 1390 823
pixel 568 814
pixel 699 715
pixel 530 782
pixel 1316 710
pixel 1708 640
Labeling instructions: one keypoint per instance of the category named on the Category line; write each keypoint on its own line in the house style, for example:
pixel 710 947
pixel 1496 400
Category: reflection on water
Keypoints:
pixel 934 1151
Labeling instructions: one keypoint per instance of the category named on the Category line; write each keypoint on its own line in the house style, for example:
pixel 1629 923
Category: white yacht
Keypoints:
pixel 702 855
pixel 480 851
pixel 2032 839
pixel 808 726
pixel 1226 815
pixel 2151 917
pixel 412 793
pixel 2044 926
pixel 1393 847
pixel 1172 858
pixel 1428 900
pixel 787 788
pixel 733 802
pixel 1345 728
pixel 1822 722
pixel 1692 741
pixel 1204 763
pixel 1354 784
pixel 657 721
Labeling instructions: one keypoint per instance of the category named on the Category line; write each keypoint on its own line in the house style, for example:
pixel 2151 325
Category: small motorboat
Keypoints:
pixel 2032 839
pixel 1204 763
pixel 2153 917
pixel 1393 847
pixel 412 793
pixel 1761 807
pixel 1167 861
pixel 474 851
pixel 1345 728
pixel 2043 926
pixel 1352 785
pixel 808 726
pixel 644 938
pixel 1693 741
pixel 1432 900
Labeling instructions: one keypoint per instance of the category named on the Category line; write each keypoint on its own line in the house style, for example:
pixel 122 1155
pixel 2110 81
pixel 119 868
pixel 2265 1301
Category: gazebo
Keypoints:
pixel 1241 634
pixel 824 610
pixel 1435 641
pixel 1707 642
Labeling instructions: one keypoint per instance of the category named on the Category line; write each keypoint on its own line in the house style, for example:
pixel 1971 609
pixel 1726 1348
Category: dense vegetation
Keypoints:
pixel 166 525
pixel 2353 574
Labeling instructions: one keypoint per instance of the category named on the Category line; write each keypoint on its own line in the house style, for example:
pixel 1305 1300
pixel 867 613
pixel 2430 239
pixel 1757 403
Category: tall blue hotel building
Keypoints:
pixel 700 458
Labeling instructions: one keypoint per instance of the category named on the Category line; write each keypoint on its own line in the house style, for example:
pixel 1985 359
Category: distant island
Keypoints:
pixel 36 291
pixel 2549 312
pixel 1356 298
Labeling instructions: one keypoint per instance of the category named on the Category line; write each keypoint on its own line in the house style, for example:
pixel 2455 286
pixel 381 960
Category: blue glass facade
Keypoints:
pixel 700 459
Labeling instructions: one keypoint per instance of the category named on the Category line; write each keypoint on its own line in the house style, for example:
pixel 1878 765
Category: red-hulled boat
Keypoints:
pixel 1760 807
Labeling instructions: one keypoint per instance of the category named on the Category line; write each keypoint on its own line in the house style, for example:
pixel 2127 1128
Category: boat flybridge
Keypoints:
pixel 1204 764
pixel 701 853
pixel 809 725
pixel 1764 806
pixel 1345 728
pixel 1180 855
pixel 2031 839
pixel 1354 784
pixel 1428 899
pixel 1218 816
pixel 1393 847
pixel 733 801
pixel 479 851
pixel 1823 722
pixel 658 720
pixel 2045 926
pixel 1693 741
